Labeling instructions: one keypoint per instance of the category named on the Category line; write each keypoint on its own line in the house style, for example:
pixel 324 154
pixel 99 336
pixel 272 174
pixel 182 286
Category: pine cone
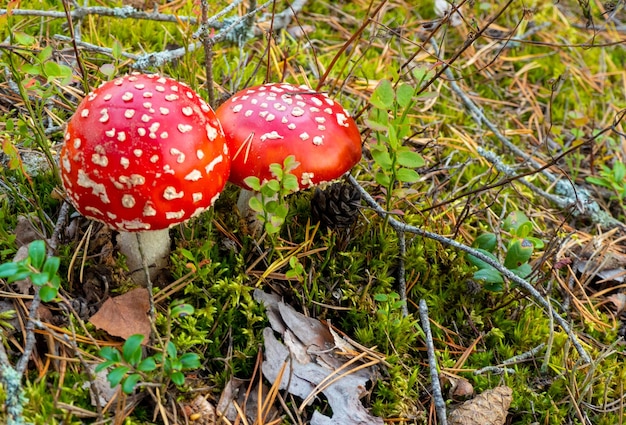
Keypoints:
pixel 337 206
pixel 489 408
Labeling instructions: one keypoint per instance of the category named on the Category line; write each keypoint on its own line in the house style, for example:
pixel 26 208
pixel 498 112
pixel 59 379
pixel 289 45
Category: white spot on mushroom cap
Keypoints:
pixel 129 113
pixel 342 120
pixel 100 160
pixel 128 201
pixel 184 128
pixel 272 135
pixel 104 115
pixel 170 193
pixel 147 94
pixel 307 179
pixel 98 189
pixel 237 107
pixel 77 143
pixel 304 136
pixel 318 140
pixel 121 136
pixel 127 97
pixel 196 197
pixel 297 111
pixel 187 111
pixel 164 111
pixel 211 165
pixel 124 162
pixel 148 210
pixel 180 156
pixel 175 215
pixel 84 113
pixel 171 97
pixel 211 132
pixel 194 176
pixel 110 133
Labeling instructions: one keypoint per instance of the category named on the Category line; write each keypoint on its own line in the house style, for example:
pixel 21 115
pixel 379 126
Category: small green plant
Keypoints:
pixel 269 202
pixel 613 179
pixel 392 332
pixel 388 118
pixel 519 250
pixel 38 267
pixel 129 366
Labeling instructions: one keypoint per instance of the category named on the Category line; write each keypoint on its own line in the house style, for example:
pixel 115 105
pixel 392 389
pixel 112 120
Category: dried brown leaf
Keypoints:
pixel 125 315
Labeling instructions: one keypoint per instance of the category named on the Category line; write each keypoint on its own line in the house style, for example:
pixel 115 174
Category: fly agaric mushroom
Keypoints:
pixel 141 154
pixel 265 124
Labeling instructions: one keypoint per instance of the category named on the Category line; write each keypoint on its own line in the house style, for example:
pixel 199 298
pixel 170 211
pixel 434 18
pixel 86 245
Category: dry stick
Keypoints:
pixel 402 227
pixel 208 53
pixel 440 404
pixel 159 58
pixel 513 360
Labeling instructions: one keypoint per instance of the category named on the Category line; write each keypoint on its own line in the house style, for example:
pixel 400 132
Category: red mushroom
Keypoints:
pixel 141 154
pixel 267 123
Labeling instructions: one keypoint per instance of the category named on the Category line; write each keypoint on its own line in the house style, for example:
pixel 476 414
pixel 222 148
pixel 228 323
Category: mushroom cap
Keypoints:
pixel 267 123
pixel 143 152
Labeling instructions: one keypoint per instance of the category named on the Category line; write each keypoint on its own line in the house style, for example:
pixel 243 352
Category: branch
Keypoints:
pixel 402 227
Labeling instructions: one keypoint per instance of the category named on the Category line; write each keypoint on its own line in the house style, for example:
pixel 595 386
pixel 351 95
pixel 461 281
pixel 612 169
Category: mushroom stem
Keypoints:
pixel 155 245
pixel 243 202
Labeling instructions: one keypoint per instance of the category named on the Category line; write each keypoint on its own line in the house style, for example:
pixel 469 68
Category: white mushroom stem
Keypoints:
pixel 155 245
pixel 243 202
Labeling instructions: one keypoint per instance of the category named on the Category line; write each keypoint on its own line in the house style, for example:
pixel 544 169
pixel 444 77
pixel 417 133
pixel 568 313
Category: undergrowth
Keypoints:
pixel 549 80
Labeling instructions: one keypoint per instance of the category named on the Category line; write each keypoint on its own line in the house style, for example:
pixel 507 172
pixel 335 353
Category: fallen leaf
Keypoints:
pixel 125 315
pixel 619 301
pixel 311 363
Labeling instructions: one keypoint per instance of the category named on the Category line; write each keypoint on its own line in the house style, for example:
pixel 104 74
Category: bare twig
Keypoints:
pixel 440 404
pixel 526 286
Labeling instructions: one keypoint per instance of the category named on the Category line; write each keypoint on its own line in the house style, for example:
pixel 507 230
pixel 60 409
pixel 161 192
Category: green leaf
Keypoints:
pixel 271 229
pixel 523 271
pixel 290 164
pixel 381 156
pixel 9 269
pixel 383 95
pixel 20 274
pixel 407 175
pixel 39 279
pixel 253 182
pixel 381 298
pixel 178 378
pixel 24 39
pixel 171 350
pixel 486 241
pixel 131 351
pixel 404 95
pixel 37 253
pixel 182 310
pixel 290 183
pixel 480 263
pixel 382 179
pixel 116 375
pixel 110 353
pixel 513 221
pixel 409 159
pixel 103 366
pixel 273 185
pixel 190 361
pixel 489 275
pixel 129 384
pixel 255 204
pixel 44 54
pixel 47 293
pixel 376 126
pixel 51 266
pixel 116 50
pixel 518 253
pixel 147 365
